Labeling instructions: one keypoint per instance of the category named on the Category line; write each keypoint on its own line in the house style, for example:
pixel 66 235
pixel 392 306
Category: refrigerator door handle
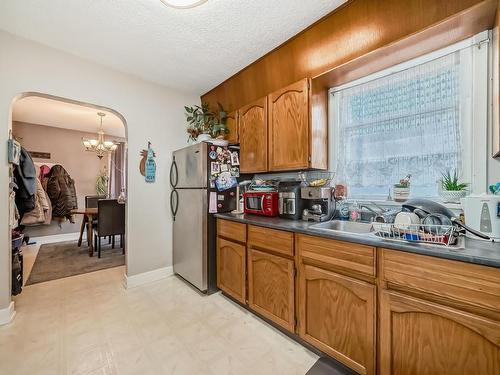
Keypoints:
pixel 173 167
pixel 173 208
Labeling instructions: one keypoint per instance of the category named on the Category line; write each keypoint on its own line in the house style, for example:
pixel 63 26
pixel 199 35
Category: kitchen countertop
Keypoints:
pixel 473 251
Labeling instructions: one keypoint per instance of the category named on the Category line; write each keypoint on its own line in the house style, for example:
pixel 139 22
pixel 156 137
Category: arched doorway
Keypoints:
pixel 53 129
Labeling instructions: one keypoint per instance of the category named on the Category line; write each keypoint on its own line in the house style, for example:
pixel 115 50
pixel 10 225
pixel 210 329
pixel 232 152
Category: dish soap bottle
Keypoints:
pixel 355 212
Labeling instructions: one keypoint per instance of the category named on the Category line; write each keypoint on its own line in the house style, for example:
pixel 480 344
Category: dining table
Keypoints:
pixel 89 214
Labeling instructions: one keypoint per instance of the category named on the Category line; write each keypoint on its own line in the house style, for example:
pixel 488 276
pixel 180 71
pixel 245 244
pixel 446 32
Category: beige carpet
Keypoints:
pixel 64 259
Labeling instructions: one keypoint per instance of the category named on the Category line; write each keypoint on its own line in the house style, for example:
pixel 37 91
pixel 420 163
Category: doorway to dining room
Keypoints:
pixel 68 189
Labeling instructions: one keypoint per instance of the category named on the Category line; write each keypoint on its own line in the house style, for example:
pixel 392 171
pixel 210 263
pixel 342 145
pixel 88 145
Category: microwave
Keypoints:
pixel 261 203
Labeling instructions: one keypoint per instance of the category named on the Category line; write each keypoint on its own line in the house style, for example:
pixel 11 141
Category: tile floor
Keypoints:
pixel 90 324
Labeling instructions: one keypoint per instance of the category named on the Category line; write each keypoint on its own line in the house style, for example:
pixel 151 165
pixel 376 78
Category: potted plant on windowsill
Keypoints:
pixel 401 191
pixel 450 187
pixel 204 125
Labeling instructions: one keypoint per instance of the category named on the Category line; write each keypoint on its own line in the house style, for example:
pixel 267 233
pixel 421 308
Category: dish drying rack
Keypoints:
pixel 444 235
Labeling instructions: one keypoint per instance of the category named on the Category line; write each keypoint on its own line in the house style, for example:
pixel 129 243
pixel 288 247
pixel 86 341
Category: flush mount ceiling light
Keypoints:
pixel 183 4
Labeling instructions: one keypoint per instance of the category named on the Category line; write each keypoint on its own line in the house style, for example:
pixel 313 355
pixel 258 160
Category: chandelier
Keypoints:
pixel 99 145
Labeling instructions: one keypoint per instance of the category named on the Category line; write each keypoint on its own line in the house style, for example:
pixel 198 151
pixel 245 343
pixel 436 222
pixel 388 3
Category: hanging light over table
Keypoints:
pixel 99 145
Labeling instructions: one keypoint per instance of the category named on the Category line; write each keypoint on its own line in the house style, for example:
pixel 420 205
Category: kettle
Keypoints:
pixel 482 213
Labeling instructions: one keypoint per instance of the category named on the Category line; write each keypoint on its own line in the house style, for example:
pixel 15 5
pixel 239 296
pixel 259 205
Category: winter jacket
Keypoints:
pixel 42 210
pixel 61 191
pixel 25 176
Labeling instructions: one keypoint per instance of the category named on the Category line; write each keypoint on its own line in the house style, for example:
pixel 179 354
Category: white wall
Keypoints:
pixel 152 112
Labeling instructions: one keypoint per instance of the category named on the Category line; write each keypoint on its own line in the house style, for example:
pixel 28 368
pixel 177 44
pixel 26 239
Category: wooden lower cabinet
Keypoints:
pixel 419 337
pixel 271 287
pixel 337 315
pixel 231 268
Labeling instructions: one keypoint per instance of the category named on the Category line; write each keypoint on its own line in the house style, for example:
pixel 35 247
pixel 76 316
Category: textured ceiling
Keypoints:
pixel 44 111
pixel 188 49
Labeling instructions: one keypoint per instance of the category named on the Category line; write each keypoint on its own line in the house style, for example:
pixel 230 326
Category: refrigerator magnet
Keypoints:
pixel 225 181
pixel 212 155
pixel 212 202
pixel 235 160
pixel 214 168
pixel 224 168
pixel 235 171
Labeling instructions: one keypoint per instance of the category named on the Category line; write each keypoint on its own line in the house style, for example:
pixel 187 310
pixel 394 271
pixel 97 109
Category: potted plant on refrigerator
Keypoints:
pixel 205 125
pixel 401 191
pixel 451 189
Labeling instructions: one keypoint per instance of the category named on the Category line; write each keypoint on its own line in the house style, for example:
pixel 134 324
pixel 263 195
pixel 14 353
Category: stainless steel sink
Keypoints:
pixel 344 226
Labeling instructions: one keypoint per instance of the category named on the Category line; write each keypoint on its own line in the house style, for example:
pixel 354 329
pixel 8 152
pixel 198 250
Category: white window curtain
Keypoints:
pixel 117 170
pixel 409 121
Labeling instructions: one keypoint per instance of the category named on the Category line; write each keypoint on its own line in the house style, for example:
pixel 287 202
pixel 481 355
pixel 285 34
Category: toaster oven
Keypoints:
pixel 261 203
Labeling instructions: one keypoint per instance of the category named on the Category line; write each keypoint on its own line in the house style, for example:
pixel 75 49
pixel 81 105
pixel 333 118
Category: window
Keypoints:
pixel 415 118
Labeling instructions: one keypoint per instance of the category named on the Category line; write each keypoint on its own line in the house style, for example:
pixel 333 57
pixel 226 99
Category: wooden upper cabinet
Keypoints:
pixel 337 316
pixel 271 287
pixel 231 269
pixel 252 121
pixel 289 130
pixel 232 125
pixel 419 337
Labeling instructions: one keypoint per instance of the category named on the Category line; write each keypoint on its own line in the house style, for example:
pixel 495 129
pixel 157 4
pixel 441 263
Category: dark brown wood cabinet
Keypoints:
pixel 420 337
pixel 271 287
pixel 231 268
pixel 252 125
pixel 289 127
pixel 232 125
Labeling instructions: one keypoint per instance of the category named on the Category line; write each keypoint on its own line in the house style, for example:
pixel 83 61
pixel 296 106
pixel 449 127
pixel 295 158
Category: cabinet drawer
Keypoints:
pixel 344 255
pixel 471 284
pixel 271 239
pixel 232 230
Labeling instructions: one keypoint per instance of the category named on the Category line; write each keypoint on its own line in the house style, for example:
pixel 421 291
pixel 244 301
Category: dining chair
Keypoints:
pixel 90 202
pixel 110 222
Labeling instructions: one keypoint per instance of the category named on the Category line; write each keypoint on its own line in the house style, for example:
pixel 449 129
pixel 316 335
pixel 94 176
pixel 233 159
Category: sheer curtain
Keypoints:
pixel 117 170
pixel 408 122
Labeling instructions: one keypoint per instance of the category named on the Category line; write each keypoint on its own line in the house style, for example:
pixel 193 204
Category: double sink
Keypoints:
pixel 344 226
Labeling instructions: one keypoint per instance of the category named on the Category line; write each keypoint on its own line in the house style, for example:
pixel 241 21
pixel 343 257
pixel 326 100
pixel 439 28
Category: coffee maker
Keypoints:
pixel 290 203
pixel 318 202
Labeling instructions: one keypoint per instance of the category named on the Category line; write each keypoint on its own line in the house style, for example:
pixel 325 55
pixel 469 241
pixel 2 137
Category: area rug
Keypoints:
pixel 64 259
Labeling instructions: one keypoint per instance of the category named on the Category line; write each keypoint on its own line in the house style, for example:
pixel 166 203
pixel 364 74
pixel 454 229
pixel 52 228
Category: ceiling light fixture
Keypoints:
pixel 99 145
pixel 183 4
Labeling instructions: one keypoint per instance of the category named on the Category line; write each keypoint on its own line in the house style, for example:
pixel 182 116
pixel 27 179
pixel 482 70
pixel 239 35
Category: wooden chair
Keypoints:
pixel 90 202
pixel 110 222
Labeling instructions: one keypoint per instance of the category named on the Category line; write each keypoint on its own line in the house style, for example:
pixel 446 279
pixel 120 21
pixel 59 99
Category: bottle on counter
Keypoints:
pixel 355 212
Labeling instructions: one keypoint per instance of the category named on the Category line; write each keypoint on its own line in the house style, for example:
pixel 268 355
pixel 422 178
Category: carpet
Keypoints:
pixel 64 259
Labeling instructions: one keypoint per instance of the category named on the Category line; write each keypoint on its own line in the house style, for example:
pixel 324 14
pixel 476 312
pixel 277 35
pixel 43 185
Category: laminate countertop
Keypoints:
pixel 470 250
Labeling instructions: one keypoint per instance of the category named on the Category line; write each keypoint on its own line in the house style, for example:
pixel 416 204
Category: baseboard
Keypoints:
pixel 57 238
pixel 7 315
pixel 147 277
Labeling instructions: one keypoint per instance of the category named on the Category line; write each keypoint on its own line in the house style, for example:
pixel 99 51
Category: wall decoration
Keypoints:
pixel 14 151
pixel 147 165
pixel 39 155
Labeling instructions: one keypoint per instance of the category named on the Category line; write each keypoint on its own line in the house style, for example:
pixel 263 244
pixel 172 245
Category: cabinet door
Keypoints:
pixel 337 315
pixel 231 269
pixel 271 288
pixel 232 125
pixel 252 120
pixel 419 337
pixel 289 127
